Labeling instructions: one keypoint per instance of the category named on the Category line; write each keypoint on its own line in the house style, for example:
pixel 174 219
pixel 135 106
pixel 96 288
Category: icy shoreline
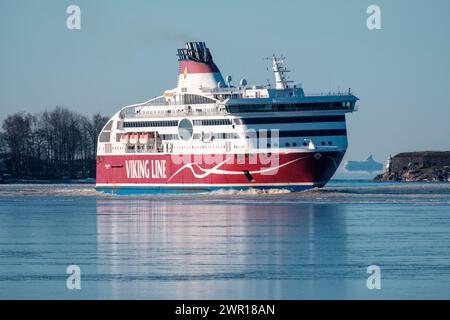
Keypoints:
pixel 49 181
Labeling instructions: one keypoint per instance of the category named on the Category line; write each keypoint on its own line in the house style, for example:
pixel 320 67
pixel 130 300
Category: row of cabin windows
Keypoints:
pixel 195 99
pixel 291 107
pixel 212 122
pixel 140 124
pixel 104 137
pixel 169 136
pixel 297 133
pixel 305 144
pixel 221 122
pixel 302 119
pixel 198 136
pixel 268 134
pixel 174 123
pixel 287 144
pixel 220 135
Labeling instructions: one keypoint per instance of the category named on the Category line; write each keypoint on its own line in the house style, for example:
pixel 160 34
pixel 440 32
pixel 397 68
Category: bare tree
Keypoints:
pixel 53 144
pixel 17 133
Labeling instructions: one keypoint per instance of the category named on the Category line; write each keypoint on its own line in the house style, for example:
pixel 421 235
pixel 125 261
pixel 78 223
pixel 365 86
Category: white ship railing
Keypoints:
pixel 200 105
pixel 330 93
pixel 138 112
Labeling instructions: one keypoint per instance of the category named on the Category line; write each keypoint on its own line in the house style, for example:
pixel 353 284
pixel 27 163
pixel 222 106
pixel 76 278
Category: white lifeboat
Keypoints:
pixel 124 137
pixel 134 137
pixel 143 138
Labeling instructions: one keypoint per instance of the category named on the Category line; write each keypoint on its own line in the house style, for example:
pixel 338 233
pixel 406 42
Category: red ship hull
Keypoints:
pixel 167 173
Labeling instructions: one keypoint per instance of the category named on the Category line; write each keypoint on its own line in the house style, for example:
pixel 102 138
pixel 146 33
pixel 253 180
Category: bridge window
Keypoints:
pixel 288 107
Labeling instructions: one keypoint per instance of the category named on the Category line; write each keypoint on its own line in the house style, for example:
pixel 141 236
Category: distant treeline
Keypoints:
pixel 54 144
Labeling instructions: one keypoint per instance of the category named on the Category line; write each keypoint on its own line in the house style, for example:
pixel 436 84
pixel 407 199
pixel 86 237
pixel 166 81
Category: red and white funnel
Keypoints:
pixel 197 68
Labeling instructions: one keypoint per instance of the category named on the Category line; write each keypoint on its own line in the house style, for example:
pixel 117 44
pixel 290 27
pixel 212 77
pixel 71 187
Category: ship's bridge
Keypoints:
pixel 345 102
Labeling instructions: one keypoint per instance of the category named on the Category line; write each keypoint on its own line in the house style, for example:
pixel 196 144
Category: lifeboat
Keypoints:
pixel 124 137
pixel 134 137
pixel 143 138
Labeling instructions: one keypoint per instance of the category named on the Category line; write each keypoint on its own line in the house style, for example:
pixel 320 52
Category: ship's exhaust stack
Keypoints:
pixel 197 68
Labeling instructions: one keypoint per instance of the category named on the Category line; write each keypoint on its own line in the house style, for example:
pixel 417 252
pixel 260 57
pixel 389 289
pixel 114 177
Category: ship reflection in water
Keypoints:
pixel 314 244
pixel 181 248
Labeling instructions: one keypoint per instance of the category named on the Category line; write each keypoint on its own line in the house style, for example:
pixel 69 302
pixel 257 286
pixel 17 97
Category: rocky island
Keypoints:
pixel 418 166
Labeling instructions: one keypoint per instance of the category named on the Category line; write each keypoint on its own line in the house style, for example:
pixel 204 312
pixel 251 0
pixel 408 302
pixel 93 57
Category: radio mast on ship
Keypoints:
pixel 279 70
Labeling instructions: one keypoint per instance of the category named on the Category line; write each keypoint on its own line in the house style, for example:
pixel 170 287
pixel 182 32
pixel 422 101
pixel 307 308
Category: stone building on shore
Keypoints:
pixel 418 166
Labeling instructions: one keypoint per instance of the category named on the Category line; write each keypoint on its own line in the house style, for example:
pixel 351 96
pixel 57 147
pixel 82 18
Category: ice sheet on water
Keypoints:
pixel 337 191
pixel 47 190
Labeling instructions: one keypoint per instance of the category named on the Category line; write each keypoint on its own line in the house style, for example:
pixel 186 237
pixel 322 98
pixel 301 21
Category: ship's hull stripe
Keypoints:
pixel 173 189
pixel 197 67
pixel 219 185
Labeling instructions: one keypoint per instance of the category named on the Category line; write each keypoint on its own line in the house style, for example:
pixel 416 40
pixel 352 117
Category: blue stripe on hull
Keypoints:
pixel 127 190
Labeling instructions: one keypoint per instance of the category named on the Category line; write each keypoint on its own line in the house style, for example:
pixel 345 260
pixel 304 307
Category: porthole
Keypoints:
pixel 330 143
pixel 185 129
pixel 305 144
pixel 287 144
pixel 323 143
pixel 294 144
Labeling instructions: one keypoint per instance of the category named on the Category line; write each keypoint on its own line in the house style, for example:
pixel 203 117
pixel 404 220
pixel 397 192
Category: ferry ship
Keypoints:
pixel 208 134
pixel 370 166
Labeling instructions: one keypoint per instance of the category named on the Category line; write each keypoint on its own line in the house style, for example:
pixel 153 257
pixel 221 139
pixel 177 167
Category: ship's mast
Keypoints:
pixel 279 71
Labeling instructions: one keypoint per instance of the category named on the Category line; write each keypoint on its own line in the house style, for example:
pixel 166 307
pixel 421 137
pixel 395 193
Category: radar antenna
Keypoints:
pixel 279 71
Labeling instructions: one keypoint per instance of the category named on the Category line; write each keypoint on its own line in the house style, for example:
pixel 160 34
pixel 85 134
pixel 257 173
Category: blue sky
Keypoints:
pixel 125 53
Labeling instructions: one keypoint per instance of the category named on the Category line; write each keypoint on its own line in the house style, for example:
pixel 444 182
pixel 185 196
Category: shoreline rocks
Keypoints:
pixel 423 166
pixel 415 176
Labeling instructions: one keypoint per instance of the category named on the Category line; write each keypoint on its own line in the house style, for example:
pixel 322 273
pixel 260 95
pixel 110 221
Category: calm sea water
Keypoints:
pixel 227 245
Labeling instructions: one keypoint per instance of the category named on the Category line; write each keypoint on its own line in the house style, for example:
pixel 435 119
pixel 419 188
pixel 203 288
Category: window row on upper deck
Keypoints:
pixel 141 124
pixel 310 106
pixel 212 122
